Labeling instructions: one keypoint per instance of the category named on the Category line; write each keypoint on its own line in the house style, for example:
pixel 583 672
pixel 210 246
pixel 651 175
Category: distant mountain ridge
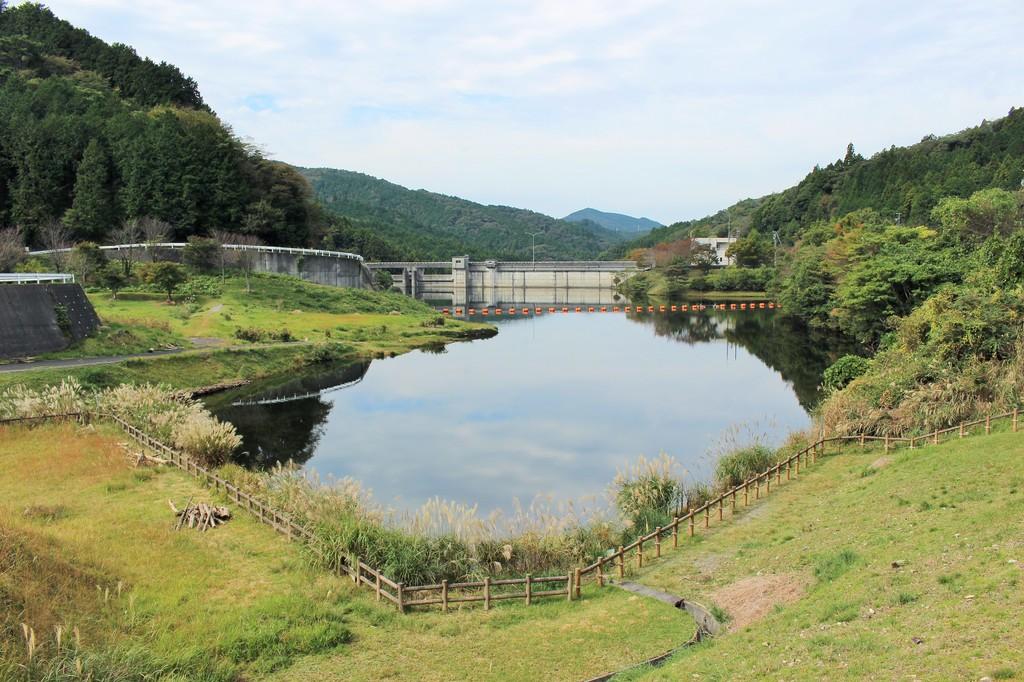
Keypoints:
pixel 616 222
pixel 432 226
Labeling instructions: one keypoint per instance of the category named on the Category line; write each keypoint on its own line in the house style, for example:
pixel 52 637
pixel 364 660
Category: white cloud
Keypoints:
pixel 668 108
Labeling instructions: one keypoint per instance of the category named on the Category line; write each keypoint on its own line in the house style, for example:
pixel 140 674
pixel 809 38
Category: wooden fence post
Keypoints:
pixel 1015 420
pixel 377 585
pixel 401 597
pixel 675 533
pixel 600 573
pixel 691 524
pixel 757 488
pixel 778 474
pixel 707 515
pixel 444 595
pixel 961 429
pixel 576 580
pixel 935 437
pixel 355 575
pixel 487 593
pixel 721 508
pixel 657 543
pixel 796 469
pixel 746 493
pixel 640 553
pixel 622 563
pixel 988 424
pixel 734 500
pixel 789 468
pixel 529 590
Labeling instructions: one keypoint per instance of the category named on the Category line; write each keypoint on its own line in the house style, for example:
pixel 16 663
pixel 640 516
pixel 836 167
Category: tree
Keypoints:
pixel 56 238
pixel 750 251
pixel 246 257
pixel 92 210
pixel 154 231
pixel 112 277
pixel 12 248
pixel 988 212
pixel 127 235
pixel 86 260
pixel 166 276
pixel 704 257
pixel 201 253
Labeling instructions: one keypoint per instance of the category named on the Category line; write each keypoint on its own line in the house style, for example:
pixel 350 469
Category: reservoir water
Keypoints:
pixel 552 406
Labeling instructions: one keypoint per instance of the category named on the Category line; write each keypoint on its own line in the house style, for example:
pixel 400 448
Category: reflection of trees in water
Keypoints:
pixel 799 356
pixel 690 329
pixel 286 430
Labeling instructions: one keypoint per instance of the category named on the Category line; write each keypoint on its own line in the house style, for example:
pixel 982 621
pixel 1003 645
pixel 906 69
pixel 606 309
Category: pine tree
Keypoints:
pixel 92 212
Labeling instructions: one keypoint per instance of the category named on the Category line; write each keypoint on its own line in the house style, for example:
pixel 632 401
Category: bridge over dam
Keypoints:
pixel 492 282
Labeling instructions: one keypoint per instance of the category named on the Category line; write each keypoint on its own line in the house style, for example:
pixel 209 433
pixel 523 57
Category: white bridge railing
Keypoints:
pixel 229 247
pixel 36 278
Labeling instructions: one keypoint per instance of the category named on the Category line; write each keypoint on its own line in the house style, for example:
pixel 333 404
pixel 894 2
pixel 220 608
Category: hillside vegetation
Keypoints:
pixel 870 567
pixel 281 324
pixel 435 226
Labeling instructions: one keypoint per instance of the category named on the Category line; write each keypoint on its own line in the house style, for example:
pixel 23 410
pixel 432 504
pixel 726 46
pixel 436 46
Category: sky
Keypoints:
pixel 669 109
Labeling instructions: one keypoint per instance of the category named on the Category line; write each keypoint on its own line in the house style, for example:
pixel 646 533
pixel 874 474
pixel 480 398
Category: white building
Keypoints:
pixel 720 245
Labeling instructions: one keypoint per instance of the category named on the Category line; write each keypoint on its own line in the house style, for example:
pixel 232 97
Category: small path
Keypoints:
pixel 707 625
pixel 81 362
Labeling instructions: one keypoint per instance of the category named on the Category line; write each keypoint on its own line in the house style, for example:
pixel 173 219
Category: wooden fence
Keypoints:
pixel 613 564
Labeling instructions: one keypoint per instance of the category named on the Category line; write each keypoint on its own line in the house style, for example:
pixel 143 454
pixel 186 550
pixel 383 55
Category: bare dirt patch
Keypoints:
pixel 881 462
pixel 751 599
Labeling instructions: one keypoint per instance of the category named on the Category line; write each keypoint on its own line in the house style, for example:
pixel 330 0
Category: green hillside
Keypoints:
pixel 92 135
pixel 436 226
pixel 872 566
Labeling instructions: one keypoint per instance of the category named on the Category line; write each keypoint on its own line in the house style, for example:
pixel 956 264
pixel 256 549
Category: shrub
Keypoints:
pixel 843 371
pixel 198 287
pixel 647 491
pixel 257 335
pixel 205 439
pixel 740 465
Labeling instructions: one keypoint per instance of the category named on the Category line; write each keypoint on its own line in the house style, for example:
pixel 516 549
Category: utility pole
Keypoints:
pixel 533 238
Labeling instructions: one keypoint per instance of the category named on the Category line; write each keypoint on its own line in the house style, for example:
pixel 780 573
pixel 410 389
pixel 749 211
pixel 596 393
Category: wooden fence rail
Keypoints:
pixel 488 590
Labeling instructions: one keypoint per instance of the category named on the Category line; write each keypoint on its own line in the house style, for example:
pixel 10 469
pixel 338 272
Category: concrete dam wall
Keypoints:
pixel 31 318
pixel 500 282
pixel 333 268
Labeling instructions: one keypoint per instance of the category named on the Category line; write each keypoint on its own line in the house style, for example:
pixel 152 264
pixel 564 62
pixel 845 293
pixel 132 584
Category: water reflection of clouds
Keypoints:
pixel 555 407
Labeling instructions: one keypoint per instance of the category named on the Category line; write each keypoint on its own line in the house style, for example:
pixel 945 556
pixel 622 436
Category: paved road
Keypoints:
pixel 81 362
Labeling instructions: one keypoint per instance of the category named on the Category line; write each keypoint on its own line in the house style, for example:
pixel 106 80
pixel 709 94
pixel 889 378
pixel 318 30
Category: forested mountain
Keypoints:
pixel 900 183
pixel 617 222
pixel 903 183
pixel 437 226
pixel 92 135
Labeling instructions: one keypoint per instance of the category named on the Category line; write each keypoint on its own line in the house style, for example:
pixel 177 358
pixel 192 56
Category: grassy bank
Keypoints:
pixel 281 324
pixel 886 567
pixel 239 601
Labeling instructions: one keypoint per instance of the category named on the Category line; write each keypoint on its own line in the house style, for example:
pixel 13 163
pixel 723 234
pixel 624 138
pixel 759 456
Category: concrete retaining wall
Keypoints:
pixel 28 318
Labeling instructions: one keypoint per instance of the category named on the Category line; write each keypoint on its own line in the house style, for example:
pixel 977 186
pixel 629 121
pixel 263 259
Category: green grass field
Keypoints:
pixel 909 569
pixel 354 322
pixel 87 541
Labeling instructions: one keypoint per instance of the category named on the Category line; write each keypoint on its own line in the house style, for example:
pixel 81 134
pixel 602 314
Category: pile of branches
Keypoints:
pixel 202 516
